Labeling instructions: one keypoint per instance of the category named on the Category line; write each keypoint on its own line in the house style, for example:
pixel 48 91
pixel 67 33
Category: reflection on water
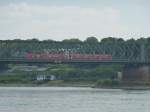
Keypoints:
pixel 68 99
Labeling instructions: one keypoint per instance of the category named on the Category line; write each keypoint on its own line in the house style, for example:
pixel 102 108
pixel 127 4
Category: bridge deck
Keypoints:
pixel 25 61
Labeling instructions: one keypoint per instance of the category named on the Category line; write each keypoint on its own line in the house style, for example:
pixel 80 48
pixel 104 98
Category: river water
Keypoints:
pixel 68 99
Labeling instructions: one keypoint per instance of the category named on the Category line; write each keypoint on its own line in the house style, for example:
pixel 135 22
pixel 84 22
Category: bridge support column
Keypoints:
pixel 135 74
pixel 3 67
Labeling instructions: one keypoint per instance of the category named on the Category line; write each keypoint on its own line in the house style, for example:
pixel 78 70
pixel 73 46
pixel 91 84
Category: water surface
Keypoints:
pixel 68 99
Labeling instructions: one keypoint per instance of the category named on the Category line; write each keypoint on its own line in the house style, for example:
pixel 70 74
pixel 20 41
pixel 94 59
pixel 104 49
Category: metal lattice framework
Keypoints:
pixel 133 52
pixel 119 51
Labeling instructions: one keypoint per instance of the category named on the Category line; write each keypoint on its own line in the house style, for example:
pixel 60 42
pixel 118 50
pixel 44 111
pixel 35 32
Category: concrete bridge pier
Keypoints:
pixel 135 74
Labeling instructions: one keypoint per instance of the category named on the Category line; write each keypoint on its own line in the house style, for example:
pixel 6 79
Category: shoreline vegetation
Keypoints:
pixel 94 76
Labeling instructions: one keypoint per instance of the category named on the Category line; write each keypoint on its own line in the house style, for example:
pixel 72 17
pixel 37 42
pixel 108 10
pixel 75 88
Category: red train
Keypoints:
pixel 68 56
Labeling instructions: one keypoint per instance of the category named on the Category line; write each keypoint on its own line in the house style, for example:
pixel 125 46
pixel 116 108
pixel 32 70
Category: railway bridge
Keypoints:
pixel 135 64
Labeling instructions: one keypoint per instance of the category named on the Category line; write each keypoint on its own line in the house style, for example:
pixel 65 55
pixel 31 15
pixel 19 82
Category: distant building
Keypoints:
pixel 43 77
pixel 40 77
pixel 51 77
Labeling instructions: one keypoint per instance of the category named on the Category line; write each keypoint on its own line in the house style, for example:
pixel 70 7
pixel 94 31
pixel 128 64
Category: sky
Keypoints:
pixel 65 19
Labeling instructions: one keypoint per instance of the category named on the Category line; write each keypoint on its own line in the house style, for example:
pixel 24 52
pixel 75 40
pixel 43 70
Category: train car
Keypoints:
pixel 90 57
pixel 45 56
pixel 64 56
pixel 28 56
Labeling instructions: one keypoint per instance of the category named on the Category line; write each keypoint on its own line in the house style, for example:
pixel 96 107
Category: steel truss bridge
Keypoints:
pixel 135 58
pixel 137 54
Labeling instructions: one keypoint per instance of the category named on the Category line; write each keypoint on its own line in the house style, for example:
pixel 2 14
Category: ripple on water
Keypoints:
pixel 72 99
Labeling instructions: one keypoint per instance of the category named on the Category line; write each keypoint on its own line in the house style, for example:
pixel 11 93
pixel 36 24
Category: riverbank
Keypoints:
pixel 59 83
pixel 126 87
pixel 91 85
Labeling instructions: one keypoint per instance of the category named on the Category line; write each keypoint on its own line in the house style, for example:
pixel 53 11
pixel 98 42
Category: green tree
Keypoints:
pixel 91 40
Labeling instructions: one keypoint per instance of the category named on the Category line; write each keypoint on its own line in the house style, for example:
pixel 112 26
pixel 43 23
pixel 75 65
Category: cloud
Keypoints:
pixel 58 22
